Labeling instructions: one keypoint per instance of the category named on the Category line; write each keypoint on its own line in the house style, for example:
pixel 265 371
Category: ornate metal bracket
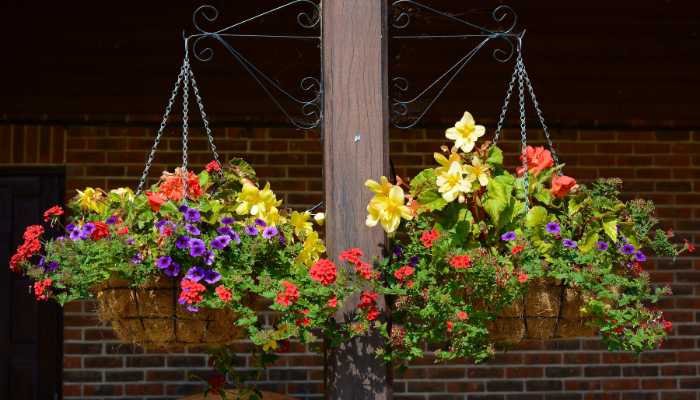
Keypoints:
pixel 403 116
pixel 302 111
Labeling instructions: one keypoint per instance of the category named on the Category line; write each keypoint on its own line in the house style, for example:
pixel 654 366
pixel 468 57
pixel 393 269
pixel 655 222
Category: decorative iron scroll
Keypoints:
pixel 402 105
pixel 302 111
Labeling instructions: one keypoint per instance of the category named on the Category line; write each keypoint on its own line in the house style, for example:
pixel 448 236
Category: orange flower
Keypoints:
pixel 461 262
pixel 156 200
pixel 522 277
pixel 172 186
pixel 461 315
pixel 538 159
pixel 428 237
pixel 517 249
pixel 561 185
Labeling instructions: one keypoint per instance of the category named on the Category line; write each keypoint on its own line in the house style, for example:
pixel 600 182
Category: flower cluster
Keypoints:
pixel 467 244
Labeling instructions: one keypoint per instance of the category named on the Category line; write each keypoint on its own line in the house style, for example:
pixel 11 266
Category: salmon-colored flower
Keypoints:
pixel 562 185
pixel 156 200
pixel 538 159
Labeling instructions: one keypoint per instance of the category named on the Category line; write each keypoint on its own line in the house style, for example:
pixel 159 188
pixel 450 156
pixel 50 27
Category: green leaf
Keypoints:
pixel 610 227
pixel 425 180
pixel 589 240
pixel 432 200
pixel 203 178
pixel 498 197
pixel 495 156
pixel 544 196
pixel 537 216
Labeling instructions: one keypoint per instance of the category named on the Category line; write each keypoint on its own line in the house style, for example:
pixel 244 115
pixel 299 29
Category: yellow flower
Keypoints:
pixel 477 171
pixel 452 182
pixel 465 133
pixel 273 217
pixel 271 344
pixel 388 210
pixel 256 202
pixel 445 163
pixel 124 193
pixel 383 187
pixel 320 218
pixel 300 221
pixel 312 250
pixel 90 199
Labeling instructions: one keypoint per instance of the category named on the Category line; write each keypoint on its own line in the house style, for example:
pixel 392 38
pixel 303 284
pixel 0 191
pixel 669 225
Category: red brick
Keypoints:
pixel 152 389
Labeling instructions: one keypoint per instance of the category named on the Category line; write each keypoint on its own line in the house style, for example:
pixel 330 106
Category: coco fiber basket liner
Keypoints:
pixel 549 309
pixel 150 316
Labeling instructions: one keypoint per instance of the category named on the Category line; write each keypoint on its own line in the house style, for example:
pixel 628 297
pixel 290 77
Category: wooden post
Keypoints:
pixel 356 147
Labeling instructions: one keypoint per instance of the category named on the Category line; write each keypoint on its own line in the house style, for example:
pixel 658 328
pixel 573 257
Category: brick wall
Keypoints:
pixel 660 165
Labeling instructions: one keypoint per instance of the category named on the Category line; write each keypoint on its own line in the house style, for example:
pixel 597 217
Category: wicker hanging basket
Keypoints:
pixel 150 316
pixel 549 309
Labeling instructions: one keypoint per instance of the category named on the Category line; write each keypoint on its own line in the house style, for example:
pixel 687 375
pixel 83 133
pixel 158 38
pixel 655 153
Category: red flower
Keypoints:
pixel 449 326
pixel 332 302
pixel 364 269
pixel 372 314
pixel 33 232
pixel 538 159
pixel 428 237
pixel 323 271
pixel 461 315
pixel 461 262
pixel 367 299
pixel 41 289
pixel 213 166
pixel 173 188
pixel 404 272
pixel 123 231
pixel 668 325
pixel 561 185
pixel 156 200
pixel 223 293
pixel 351 255
pixel 289 295
pixel 54 211
pixel 522 277
pixel 689 246
pixel 101 231
pixel 517 249
pixel 191 292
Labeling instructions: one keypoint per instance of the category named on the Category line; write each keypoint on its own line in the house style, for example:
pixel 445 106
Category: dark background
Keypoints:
pixel 592 62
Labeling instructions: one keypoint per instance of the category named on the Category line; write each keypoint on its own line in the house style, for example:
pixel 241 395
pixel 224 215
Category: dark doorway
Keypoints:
pixel 31 332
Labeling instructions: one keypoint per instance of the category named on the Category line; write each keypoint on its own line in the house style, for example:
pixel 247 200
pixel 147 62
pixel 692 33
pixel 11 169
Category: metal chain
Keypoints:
pixel 506 103
pixel 185 125
pixel 161 129
pixel 540 116
pixel 205 121
pixel 523 130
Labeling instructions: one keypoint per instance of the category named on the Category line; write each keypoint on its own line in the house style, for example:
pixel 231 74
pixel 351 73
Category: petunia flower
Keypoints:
pixel 270 232
pixel 227 220
pixel 192 215
pixel 172 270
pixel 192 230
pixel 261 223
pixel 197 247
pixel 569 243
pixel 602 246
pixel 251 230
pixel 221 242
pixel 639 256
pixel 553 228
pixel 628 249
pixel 182 242
pixel 465 133
pixel 163 262
pixel 195 274
pixel 212 276
pixel 508 236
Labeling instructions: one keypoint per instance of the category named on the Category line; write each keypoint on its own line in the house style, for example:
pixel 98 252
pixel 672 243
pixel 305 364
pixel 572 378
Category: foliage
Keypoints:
pixel 471 244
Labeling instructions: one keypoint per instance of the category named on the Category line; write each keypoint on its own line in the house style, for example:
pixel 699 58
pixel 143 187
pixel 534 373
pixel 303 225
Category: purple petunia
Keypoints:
pixel 74 235
pixel 70 227
pixel 172 270
pixel 251 230
pixel 227 220
pixel 398 251
pixel 88 228
pixel 130 241
pixel 569 243
pixel 111 220
pixel 182 242
pixel 137 259
pixel 413 261
pixel 197 247
pixel 51 266
pixel 182 208
pixel 192 215
pixel 163 262
pixel 224 230
pixel 209 257
pixel 602 246
pixel 212 277
pixel 509 236
pixel 192 308
pixel 195 274
pixel 628 249
pixel 639 256
pixel 553 228
pixel 160 223
pixel 192 230
pixel 220 242
pixel 236 237
pixel 259 222
pixel 270 232
pixel 282 240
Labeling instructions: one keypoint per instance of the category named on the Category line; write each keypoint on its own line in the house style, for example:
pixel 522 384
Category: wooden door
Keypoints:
pixel 31 332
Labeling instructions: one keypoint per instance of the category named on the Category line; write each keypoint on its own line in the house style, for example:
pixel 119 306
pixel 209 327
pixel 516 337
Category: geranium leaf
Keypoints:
pixel 610 227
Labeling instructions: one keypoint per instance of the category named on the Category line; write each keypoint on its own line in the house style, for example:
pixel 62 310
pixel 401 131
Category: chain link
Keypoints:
pixel 523 130
pixel 506 103
pixel 205 121
pixel 540 116
pixel 161 129
pixel 185 126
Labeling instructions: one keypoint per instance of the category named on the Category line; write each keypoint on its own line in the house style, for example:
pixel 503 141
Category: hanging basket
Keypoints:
pixel 150 316
pixel 233 394
pixel 549 309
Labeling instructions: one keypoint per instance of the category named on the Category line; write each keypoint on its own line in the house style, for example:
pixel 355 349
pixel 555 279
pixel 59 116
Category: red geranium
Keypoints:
pixel 538 159
pixel 461 315
pixel 191 292
pixel 213 166
pixel 123 231
pixel 289 295
pixel 41 289
pixel 517 249
pixel 668 325
pixel 332 302
pixel 561 185
pixel 33 232
pixel 223 293
pixel 351 255
pixel 173 186
pixel 461 262
pixel 101 231
pixel 404 272
pixel 156 200
pixel 364 269
pixel 372 314
pixel 428 237
pixel 449 326
pixel 522 277
pixel 54 211
pixel 323 271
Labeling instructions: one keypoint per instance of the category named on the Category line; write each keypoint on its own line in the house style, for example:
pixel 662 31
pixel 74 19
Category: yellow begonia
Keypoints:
pixel 300 221
pixel 124 193
pixel 452 182
pixel 382 187
pixel 273 217
pixel 445 162
pixel 312 249
pixel 90 199
pixel 388 209
pixel 256 202
pixel 477 171
pixel 465 133
pixel 320 218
